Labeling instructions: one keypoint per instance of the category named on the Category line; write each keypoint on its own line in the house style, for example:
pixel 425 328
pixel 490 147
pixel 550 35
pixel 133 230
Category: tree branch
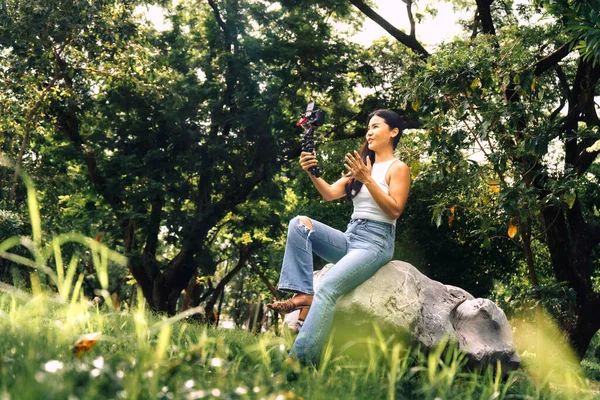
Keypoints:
pixel 469 128
pixel 586 326
pixel 341 125
pixel 28 123
pixel 402 37
pixel 485 16
pixel 594 235
pixel 475 24
pixel 411 18
pixel 586 158
pixel 154 225
pixel 70 127
pixel 551 60
pixel 179 271
pixel 581 102
pixel 218 17
pixel 263 278
pixel 245 253
pixel 555 225
pixel 562 78
pixel 575 110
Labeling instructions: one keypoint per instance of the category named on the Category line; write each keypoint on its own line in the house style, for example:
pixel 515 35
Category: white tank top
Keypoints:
pixel 365 206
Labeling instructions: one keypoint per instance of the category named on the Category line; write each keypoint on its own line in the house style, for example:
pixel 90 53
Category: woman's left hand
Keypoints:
pixel 357 167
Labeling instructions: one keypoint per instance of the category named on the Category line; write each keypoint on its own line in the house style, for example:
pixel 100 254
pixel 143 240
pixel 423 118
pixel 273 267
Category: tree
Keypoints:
pixel 510 90
pixel 172 131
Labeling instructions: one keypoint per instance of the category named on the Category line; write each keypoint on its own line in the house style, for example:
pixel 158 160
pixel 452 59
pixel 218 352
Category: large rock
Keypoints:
pixel 399 298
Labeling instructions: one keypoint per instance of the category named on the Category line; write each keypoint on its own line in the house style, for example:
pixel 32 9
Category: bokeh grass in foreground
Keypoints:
pixel 141 356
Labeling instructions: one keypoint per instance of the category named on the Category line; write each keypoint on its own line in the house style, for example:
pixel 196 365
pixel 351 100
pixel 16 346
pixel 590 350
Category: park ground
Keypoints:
pixel 53 349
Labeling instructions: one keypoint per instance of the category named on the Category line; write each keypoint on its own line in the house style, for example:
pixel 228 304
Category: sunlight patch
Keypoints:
pixel 548 359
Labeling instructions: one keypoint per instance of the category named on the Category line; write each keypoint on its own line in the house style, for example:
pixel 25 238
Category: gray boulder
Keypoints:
pixel 400 299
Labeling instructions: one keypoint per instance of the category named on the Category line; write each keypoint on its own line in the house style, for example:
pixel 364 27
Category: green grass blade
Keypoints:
pixel 69 277
pixel 60 272
pixel 10 243
pixel 77 289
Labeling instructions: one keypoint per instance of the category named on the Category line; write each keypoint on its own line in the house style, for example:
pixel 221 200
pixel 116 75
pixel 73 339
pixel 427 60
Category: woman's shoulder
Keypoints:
pixel 398 169
pixel 399 166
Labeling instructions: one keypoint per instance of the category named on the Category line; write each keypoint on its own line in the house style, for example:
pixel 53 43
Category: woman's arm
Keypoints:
pixel 399 185
pixel 329 192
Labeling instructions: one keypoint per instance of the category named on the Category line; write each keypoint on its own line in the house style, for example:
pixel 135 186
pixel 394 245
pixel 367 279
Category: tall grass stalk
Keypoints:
pixel 394 368
pixel 41 253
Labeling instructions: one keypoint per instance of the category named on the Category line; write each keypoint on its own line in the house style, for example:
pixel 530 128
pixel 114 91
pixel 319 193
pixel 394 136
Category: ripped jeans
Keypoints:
pixel 357 253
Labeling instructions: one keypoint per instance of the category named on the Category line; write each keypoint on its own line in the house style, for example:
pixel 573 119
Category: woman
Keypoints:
pixel 378 185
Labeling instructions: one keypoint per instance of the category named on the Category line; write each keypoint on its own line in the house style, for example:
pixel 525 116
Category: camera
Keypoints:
pixel 310 120
pixel 311 117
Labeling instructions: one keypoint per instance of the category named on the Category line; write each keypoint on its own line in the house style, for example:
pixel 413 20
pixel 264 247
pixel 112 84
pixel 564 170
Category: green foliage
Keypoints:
pixel 447 229
pixel 517 297
pixel 138 355
pixel 12 224
pixel 490 163
pixel 153 139
pixel 39 251
pixel 582 21
pixel 591 363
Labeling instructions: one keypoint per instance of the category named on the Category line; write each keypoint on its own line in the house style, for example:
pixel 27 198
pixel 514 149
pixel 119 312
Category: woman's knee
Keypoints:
pixel 301 220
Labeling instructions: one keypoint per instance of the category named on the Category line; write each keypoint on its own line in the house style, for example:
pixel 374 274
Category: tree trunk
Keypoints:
pixel 586 326
pixel 256 312
pixel 245 253
pixel 219 308
pixel 571 259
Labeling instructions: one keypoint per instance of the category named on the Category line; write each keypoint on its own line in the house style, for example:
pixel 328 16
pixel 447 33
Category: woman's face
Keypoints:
pixel 379 134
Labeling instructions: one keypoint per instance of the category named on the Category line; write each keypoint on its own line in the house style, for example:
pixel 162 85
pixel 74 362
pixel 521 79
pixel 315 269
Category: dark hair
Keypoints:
pixel 394 121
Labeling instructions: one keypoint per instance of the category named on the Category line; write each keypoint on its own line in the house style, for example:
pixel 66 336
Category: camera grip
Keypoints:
pixel 308 146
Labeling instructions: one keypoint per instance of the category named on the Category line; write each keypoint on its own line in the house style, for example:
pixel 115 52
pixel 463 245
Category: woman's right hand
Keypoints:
pixel 307 160
pixel 329 192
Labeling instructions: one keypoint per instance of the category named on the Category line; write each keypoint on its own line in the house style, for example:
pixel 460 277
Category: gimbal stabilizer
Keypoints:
pixel 311 120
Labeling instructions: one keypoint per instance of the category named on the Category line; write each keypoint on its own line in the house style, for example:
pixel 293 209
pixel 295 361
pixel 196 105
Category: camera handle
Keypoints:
pixel 308 146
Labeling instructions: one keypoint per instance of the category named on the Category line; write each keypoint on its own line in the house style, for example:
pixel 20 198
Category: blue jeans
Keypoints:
pixel 357 253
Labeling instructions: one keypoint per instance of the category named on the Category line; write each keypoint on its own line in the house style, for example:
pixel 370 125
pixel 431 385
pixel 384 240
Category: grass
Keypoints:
pixel 141 356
